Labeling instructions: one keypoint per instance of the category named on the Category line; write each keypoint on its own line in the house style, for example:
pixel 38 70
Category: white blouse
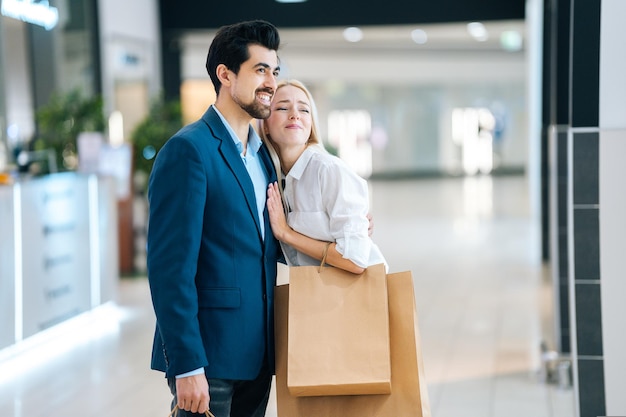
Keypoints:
pixel 327 201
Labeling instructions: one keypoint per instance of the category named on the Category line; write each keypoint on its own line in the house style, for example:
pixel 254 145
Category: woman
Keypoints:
pixel 327 203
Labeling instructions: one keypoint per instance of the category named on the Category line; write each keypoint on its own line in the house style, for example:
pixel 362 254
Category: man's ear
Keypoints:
pixel 223 74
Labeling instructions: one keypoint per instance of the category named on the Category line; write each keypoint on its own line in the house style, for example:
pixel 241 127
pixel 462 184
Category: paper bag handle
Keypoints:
pixel 324 254
pixel 174 412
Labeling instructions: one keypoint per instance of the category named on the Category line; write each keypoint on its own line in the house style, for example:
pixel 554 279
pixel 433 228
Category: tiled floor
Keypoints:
pixel 483 299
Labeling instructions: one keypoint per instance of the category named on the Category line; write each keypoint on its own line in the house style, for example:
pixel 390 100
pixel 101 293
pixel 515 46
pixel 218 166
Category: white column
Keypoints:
pixel 130 55
pixel 613 201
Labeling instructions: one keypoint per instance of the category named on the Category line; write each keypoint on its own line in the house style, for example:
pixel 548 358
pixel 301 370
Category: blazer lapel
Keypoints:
pixel 270 171
pixel 267 163
pixel 231 156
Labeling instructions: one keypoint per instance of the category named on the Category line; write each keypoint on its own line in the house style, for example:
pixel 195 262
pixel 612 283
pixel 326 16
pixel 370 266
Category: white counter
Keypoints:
pixel 58 251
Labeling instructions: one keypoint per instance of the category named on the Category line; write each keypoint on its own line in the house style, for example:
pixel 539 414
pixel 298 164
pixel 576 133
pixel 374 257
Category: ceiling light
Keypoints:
pixel 419 36
pixel 478 31
pixel 352 34
pixel 290 1
pixel 511 40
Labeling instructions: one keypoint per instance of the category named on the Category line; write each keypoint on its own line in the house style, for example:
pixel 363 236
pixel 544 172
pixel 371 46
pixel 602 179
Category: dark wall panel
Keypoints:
pixel 195 14
pixel 585 110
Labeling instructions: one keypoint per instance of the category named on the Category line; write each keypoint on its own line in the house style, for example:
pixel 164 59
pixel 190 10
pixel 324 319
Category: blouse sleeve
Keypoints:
pixel 346 201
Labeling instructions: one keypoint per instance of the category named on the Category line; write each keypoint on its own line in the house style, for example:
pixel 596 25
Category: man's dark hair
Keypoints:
pixel 230 45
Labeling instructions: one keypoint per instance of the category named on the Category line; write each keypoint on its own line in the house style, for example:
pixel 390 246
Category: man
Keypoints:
pixel 211 253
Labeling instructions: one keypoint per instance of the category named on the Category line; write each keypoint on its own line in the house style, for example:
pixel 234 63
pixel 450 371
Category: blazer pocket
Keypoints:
pixel 219 297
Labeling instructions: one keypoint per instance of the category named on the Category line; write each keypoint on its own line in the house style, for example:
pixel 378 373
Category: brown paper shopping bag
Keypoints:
pixel 408 398
pixel 338 332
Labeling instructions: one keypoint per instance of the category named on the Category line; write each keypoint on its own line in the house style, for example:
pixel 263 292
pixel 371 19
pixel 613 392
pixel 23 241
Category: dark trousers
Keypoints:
pixel 232 398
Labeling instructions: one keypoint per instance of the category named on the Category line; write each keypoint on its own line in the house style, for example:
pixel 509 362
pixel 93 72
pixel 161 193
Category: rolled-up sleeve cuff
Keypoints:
pixel 355 249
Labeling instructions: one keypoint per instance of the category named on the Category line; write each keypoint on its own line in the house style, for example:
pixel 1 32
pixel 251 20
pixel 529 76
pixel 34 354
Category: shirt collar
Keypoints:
pixel 298 168
pixel 254 141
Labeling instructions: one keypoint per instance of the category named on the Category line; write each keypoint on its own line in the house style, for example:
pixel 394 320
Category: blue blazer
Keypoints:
pixel 211 273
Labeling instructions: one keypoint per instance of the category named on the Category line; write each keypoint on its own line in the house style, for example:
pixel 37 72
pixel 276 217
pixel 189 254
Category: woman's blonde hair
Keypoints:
pixel 314 138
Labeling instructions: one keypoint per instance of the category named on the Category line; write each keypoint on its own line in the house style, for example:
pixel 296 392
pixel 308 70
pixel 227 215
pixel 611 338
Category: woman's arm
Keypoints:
pixel 309 246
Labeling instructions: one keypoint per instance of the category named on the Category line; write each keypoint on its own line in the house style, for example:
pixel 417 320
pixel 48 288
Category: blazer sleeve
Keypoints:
pixel 177 198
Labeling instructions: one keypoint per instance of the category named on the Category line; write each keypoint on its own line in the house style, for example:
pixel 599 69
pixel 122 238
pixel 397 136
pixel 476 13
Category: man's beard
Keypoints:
pixel 255 109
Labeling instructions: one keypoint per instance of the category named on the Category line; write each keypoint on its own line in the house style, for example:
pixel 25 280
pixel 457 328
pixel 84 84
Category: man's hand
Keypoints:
pixel 193 393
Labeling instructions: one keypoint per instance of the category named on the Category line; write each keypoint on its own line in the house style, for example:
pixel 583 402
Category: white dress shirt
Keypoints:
pixel 328 201
pixel 253 164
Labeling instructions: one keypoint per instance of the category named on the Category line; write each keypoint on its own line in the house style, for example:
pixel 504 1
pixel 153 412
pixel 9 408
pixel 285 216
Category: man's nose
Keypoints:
pixel 270 81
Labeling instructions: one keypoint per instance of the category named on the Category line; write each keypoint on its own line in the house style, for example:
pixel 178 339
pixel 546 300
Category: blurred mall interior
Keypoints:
pixel 491 134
